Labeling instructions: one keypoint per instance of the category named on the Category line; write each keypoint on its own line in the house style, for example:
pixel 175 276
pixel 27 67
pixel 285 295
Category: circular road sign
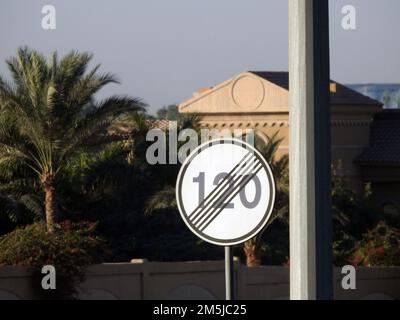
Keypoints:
pixel 225 192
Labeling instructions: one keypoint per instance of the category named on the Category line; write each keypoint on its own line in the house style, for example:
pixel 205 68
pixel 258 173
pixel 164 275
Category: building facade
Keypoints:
pixel 260 101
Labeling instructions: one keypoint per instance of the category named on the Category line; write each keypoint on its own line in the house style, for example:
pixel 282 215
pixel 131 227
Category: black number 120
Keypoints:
pixel 200 179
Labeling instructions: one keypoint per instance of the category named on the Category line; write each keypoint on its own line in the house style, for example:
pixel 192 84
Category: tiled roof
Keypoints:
pixel 123 131
pixel 162 124
pixel 384 146
pixel 343 94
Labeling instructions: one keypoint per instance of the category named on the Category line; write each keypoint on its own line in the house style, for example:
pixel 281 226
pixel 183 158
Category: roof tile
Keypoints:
pixel 343 94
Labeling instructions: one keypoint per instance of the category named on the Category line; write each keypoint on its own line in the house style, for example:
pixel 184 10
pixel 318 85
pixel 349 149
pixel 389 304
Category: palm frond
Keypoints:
pixel 49 116
pixel 163 199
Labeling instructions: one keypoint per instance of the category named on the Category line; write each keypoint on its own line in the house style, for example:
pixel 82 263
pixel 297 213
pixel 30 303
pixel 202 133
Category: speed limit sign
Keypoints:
pixel 225 192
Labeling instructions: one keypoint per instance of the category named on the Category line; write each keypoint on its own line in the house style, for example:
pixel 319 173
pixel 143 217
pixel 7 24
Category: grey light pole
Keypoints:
pixel 310 204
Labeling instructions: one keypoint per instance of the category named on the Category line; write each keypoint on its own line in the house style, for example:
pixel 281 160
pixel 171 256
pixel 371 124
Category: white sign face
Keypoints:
pixel 225 192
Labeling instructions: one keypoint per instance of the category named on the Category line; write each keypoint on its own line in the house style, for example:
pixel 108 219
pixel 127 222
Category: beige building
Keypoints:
pixel 260 100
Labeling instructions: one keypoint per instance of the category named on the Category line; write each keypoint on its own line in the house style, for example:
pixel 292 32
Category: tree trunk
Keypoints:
pixel 50 206
pixel 253 254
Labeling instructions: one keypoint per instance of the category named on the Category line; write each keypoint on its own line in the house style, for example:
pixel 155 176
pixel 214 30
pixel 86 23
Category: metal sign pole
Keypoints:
pixel 229 274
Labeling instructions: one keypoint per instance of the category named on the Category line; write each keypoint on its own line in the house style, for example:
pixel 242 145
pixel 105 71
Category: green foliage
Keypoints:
pixel 272 247
pixel 163 199
pixel 343 248
pixel 184 120
pixel 275 244
pixel 49 117
pixel 163 236
pixel 70 249
pixel 378 247
pixel 169 112
pixel 352 212
pixel 360 235
pixel 353 215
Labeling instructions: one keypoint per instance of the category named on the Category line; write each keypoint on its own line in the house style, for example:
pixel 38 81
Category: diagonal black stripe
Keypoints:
pixel 214 193
pixel 216 190
pixel 243 184
pixel 244 168
pixel 237 182
pixel 249 166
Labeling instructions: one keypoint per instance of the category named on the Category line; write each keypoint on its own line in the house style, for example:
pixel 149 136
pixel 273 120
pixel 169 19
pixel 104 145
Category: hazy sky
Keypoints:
pixel 164 50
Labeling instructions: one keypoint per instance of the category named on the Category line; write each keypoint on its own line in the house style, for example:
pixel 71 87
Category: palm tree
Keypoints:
pixel 253 247
pixel 49 116
pixel 164 197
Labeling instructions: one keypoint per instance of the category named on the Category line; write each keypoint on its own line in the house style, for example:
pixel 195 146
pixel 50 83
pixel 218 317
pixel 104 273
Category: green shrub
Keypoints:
pixel 378 247
pixel 343 248
pixel 70 249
